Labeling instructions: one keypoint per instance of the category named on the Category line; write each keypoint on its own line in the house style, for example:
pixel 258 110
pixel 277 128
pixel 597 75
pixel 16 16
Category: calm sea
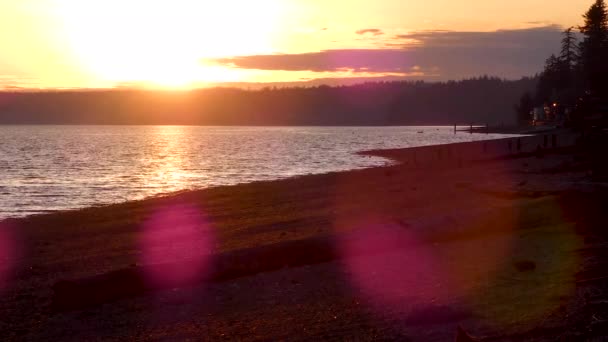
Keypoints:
pixel 49 168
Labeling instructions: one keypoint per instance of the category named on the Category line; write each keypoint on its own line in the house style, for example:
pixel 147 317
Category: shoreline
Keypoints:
pixel 470 151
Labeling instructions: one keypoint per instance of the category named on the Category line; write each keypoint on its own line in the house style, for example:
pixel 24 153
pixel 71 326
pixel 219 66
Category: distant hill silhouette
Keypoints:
pixel 481 100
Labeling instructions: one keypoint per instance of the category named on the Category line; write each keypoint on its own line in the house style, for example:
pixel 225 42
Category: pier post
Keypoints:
pixel 518 145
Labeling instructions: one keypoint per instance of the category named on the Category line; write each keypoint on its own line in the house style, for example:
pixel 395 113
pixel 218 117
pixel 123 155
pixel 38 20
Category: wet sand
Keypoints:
pixel 507 245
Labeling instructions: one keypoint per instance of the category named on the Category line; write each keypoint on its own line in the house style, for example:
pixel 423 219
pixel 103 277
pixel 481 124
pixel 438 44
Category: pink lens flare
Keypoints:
pixel 176 244
pixel 8 254
pixel 391 267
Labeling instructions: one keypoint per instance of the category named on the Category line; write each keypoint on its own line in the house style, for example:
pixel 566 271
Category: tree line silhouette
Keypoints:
pixel 579 72
pixel 483 100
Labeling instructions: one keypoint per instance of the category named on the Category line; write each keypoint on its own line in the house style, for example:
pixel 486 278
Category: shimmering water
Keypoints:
pixel 49 168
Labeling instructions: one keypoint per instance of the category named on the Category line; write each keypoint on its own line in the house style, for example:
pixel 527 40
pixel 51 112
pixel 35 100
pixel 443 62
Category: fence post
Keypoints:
pixel 518 145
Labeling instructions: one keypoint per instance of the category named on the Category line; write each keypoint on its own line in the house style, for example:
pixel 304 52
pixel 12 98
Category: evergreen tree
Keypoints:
pixel 549 81
pixel 569 55
pixel 568 81
pixel 593 48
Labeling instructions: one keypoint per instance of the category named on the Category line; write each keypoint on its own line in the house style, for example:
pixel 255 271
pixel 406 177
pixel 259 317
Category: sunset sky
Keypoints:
pixel 184 43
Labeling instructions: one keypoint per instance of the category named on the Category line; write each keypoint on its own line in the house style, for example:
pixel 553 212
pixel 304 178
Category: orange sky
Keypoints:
pixel 177 43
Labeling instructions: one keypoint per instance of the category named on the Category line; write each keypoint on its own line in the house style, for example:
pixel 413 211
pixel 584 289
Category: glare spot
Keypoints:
pixel 176 245
pixel 8 254
pixel 391 267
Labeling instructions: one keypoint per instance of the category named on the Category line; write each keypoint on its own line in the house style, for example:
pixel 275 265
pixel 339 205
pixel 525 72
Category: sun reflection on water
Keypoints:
pixel 169 161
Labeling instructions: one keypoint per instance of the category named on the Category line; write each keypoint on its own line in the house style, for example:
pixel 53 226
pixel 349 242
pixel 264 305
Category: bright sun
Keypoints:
pixel 163 42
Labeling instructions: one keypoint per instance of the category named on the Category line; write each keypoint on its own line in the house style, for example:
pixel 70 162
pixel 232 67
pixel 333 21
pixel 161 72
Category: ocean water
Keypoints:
pixel 50 168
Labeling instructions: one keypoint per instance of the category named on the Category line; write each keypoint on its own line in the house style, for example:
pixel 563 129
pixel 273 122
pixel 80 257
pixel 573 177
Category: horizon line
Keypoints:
pixel 258 85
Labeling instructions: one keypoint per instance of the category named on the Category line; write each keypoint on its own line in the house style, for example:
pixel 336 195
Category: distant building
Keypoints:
pixel 538 114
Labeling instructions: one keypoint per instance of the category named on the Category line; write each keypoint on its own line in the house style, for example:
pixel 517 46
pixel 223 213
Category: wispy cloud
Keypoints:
pixel 536 37
pixel 372 31
pixel 357 60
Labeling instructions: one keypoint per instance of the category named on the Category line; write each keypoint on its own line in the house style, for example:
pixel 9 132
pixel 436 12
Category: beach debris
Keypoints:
pixel 598 326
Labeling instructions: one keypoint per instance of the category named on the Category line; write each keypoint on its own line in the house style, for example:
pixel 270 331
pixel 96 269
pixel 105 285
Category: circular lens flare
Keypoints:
pixel 391 267
pixel 8 255
pixel 176 244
